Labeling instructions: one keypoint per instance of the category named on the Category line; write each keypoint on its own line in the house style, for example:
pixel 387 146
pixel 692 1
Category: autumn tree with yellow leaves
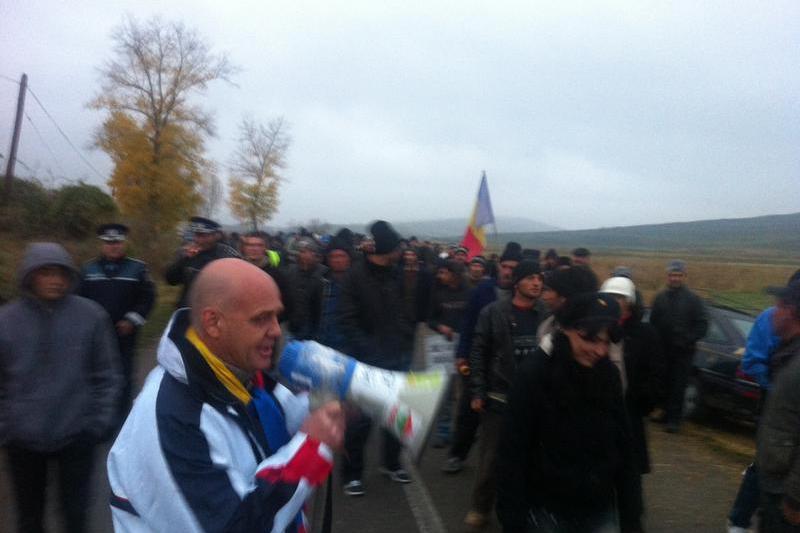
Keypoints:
pixel 255 171
pixel 154 132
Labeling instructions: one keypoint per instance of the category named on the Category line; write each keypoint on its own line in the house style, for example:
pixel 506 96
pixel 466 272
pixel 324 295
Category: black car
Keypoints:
pixel 717 382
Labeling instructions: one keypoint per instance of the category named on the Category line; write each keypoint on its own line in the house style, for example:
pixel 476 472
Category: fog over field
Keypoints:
pixel 582 114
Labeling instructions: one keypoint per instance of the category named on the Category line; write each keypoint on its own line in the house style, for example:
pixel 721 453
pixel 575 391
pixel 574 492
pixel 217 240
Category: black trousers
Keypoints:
pixel 127 352
pixel 467 422
pixel 29 470
pixel 679 366
pixel 355 441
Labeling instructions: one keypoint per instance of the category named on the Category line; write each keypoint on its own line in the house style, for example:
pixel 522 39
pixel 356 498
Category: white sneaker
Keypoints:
pixel 354 488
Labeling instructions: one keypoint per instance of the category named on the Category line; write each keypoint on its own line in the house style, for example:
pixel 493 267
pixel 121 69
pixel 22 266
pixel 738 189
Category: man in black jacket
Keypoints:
pixel 504 337
pixel 779 432
pixel 680 318
pixel 449 299
pixel 377 330
pixel 306 277
pixel 485 293
pixel 204 248
pixel 448 304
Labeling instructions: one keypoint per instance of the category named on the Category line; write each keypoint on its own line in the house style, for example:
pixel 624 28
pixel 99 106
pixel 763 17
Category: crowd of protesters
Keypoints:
pixel 555 372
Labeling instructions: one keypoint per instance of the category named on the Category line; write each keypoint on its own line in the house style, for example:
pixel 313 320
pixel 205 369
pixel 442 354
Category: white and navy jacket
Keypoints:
pixel 191 457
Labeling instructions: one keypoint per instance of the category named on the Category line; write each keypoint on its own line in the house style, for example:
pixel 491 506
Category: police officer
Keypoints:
pixel 122 286
pixel 204 248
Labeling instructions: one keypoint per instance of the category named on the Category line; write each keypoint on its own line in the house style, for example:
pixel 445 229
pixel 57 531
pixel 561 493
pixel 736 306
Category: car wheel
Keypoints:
pixel 693 399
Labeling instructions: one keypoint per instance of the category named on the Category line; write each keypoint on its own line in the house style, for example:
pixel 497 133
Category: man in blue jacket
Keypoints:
pixel 761 344
pixel 122 285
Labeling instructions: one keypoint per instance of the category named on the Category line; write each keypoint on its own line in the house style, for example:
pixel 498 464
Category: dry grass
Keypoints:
pixel 725 279
pixel 727 282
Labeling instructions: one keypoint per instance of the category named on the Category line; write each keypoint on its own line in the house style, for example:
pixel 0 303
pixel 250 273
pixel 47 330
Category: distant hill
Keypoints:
pixel 453 228
pixel 773 234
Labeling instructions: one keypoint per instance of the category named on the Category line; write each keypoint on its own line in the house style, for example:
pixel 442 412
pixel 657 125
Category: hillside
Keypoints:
pixel 448 227
pixel 773 235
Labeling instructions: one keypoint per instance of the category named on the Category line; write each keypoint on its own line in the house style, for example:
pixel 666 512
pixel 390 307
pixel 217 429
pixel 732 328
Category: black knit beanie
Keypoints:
pixel 512 252
pixel 570 281
pixel 385 237
pixel 525 269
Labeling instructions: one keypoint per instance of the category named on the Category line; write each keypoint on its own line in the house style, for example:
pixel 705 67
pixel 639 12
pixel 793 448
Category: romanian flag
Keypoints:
pixel 475 237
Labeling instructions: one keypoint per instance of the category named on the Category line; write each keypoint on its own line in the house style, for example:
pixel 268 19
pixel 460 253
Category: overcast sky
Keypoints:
pixel 582 114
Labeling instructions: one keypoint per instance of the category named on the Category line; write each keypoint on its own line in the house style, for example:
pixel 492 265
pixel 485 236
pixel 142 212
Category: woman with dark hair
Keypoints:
pixel 565 454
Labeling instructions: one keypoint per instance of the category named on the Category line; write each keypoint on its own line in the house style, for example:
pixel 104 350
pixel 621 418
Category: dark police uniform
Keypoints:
pixel 185 269
pixel 124 289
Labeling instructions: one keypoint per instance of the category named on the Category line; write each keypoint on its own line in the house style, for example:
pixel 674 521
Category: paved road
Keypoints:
pixel 690 489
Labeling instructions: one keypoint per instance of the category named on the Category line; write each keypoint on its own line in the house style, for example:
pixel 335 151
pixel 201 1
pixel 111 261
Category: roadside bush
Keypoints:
pixel 76 210
pixel 25 212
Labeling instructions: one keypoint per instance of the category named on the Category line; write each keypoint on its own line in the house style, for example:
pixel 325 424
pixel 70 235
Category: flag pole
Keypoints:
pixel 494 221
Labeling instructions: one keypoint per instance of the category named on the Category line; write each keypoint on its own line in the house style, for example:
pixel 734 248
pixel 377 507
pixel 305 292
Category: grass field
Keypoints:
pixel 730 283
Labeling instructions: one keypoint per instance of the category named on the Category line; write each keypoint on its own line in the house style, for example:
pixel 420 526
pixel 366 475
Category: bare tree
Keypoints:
pixel 255 170
pixel 153 132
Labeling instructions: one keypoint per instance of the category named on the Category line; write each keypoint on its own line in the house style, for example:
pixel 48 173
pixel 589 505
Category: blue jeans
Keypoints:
pixel 445 419
pixel 746 502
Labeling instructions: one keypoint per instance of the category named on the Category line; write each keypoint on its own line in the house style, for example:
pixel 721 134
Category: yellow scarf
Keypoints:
pixel 222 372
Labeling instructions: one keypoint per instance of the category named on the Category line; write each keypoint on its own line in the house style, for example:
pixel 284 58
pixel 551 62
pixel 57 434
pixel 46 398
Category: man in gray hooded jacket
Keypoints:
pixel 59 383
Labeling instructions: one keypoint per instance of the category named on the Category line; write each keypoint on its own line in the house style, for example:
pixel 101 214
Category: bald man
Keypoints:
pixel 212 442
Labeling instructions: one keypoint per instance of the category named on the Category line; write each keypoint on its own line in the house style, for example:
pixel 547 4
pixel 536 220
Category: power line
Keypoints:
pixel 85 161
pixel 41 138
pixel 23 164
pixel 12 80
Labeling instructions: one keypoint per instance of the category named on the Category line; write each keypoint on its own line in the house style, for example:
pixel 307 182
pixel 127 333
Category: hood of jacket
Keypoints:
pixel 40 254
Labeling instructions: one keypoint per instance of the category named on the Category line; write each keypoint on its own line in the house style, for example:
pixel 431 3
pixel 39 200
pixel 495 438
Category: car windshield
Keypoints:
pixel 743 325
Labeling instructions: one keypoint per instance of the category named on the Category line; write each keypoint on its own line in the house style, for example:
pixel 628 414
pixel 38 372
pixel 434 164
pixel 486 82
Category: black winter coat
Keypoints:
pixel 491 360
pixel 644 369
pixel 306 296
pixel 373 319
pixel 566 444
pixel 418 297
pixel 680 318
pixel 185 269
pixel 448 306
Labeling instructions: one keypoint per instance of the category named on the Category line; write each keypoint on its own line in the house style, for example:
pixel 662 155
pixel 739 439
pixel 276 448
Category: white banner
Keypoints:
pixel 440 353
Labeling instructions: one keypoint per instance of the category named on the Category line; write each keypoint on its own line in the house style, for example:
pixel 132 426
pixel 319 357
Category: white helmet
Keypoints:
pixel 620 285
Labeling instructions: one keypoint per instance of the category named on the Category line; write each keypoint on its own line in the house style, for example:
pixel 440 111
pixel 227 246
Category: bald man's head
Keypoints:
pixel 235 306
pixel 223 283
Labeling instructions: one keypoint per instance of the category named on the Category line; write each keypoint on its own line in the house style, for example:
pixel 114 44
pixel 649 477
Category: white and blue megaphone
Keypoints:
pixel 404 403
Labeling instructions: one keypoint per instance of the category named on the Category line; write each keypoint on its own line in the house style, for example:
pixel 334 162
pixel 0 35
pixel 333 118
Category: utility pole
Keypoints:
pixel 12 155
